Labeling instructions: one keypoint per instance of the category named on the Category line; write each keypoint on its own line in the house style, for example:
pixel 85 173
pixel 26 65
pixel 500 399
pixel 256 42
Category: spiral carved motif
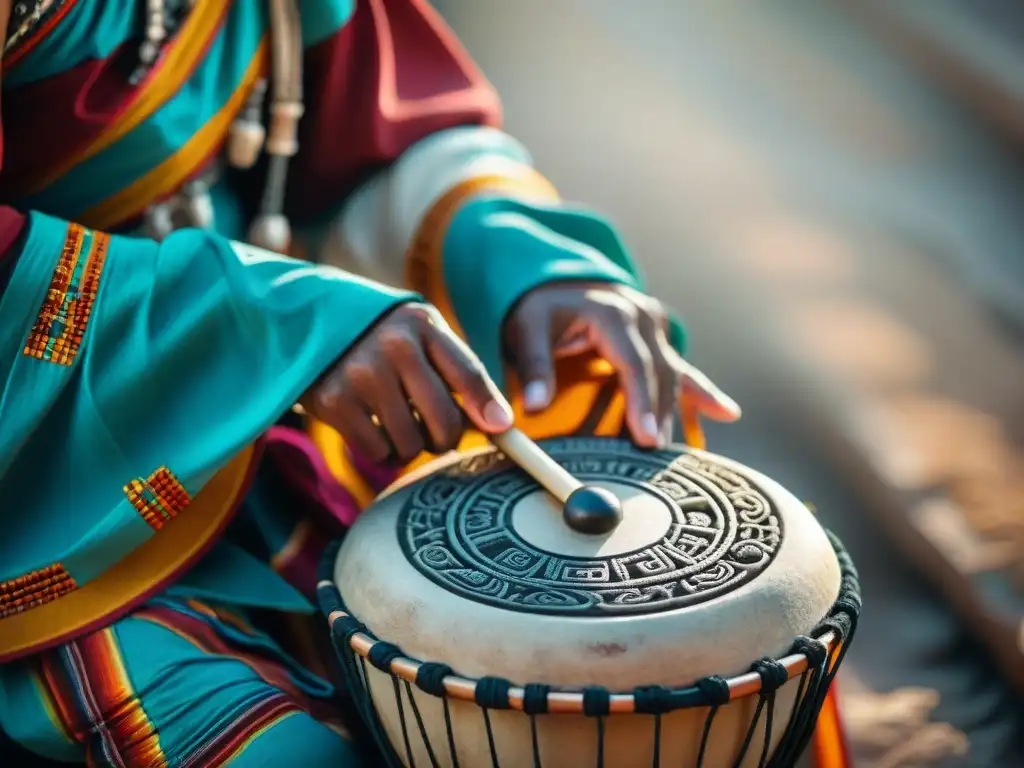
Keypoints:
pixel 457 529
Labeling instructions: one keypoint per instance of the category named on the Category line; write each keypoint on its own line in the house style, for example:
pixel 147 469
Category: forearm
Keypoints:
pixel 380 221
pixel 176 354
pixel 464 218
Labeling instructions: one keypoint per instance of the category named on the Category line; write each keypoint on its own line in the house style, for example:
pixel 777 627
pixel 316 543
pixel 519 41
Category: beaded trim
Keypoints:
pixel 26 17
pixel 61 323
pixel 159 498
pixel 34 589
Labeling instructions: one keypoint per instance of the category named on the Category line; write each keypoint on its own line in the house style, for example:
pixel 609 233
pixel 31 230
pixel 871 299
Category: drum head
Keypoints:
pixel 470 563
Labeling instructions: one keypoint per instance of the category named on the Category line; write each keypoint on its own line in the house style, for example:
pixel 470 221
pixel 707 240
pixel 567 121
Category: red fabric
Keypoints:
pixel 392 76
pixel 59 117
pixel 12 227
pixel 302 467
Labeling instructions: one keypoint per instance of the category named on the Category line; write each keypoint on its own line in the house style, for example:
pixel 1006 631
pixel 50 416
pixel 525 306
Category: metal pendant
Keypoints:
pixel 163 19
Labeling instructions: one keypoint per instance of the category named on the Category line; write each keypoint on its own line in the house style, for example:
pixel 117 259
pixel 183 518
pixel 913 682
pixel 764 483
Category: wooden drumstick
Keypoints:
pixel 585 508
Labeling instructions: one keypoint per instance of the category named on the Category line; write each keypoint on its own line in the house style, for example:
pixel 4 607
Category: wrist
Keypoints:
pixel 425 267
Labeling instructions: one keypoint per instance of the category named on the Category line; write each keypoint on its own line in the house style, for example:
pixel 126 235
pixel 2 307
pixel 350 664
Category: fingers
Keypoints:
pixel 633 338
pixel 667 382
pixel 394 395
pixel 439 414
pixel 533 354
pixel 486 407
pixel 335 403
pixel 675 375
pixel 711 400
pixel 619 341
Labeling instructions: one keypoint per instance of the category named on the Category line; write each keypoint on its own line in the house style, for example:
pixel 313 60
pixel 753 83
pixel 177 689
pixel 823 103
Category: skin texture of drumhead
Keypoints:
pixel 470 564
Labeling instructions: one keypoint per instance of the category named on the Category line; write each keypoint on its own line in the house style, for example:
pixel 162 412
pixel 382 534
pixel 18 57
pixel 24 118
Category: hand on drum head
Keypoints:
pixel 392 395
pixel 626 328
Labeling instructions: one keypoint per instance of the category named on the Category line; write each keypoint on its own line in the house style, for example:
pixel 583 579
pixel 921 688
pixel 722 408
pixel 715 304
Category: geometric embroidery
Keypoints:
pixel 60 326
pixel 33 589
pixel 159 498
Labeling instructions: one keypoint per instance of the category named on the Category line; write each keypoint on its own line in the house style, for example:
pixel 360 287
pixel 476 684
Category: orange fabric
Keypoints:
pixel 424 263
pixel 128 727
pixel 828 746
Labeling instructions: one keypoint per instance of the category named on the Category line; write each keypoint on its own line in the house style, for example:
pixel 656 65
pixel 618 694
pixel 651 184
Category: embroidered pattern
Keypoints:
pixel 60 327
pixel 34 589
pixel 159 498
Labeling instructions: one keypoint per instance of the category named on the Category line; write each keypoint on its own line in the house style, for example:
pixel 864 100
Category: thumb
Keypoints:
pixel 533 355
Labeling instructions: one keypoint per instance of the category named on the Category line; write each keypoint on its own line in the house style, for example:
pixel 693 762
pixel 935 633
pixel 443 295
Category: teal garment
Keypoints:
pixel 101 35
pixel 193 348
pixel 498 248
pixel 163 134
pixel 322 18
pixel 91 30
pixel 174 683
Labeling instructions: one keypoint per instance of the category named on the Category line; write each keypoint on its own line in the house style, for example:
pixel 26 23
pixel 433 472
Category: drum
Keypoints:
pixel 475 628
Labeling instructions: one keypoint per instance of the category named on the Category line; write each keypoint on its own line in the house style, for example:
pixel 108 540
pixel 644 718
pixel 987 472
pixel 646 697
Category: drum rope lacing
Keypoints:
pixel 815 658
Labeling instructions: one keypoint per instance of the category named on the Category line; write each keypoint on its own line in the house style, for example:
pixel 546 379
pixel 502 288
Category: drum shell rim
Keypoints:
pixel 757 619
pixel 829 635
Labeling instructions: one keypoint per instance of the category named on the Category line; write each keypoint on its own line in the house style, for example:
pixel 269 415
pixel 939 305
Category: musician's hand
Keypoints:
pixel 626 328
pixel 405 370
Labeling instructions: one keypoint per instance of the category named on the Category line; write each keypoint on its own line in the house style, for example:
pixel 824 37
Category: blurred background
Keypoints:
pixel 832 194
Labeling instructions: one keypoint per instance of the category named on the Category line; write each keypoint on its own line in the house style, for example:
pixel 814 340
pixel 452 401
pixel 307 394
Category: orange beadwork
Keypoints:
pixel 159 498
pixel 60 327
pixel 33 589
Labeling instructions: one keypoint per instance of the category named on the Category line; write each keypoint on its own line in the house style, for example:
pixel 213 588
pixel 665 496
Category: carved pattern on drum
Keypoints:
pixel 456 529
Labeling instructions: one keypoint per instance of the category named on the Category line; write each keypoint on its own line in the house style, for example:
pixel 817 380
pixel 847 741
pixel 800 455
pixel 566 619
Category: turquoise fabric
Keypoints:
pixel 322 18
pixel 91 29
pixel 499 248
pixel 230 574
pixel 169 128
pixel 193 349
pixel 95 29
pixel 186 683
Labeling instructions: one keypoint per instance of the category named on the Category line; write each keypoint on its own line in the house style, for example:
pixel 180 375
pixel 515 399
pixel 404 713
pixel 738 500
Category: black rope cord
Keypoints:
pixel 653 700
pixel 597 704
pixel 535 702
pixel 716 691
pixel 430 679
pixel 817 655
pixel 492 693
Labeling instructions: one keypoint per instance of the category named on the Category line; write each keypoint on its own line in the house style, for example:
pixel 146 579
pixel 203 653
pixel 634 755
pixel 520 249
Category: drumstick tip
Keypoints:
pixel 592 510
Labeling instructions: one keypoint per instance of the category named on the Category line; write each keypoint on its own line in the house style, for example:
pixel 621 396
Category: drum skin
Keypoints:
pixel 468 563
